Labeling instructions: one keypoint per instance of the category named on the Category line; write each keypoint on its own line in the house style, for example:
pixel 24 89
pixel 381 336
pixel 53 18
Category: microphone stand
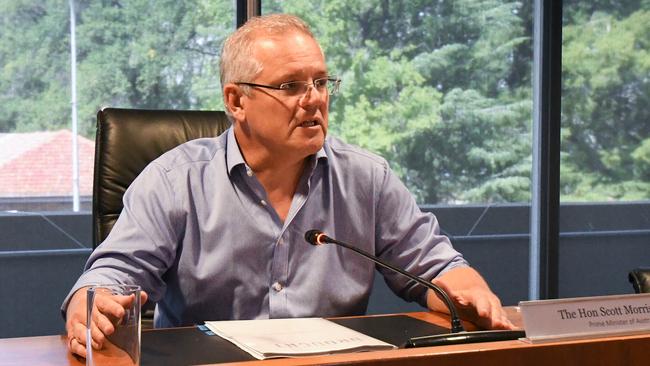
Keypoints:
pixel 458 336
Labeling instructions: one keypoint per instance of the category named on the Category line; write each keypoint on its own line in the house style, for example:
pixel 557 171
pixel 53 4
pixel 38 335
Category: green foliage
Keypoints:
pixel 134 53
pixel 34 56
pixel 442 89
pixel 606 68
pixel 471 142
pixel 433 87
pixel 641 158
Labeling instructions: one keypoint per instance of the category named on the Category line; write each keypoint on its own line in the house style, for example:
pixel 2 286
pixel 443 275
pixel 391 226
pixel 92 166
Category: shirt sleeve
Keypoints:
pixel 142 244
pixel 410 239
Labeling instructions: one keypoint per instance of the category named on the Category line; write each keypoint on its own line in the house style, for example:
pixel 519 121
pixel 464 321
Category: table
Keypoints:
pixel 623 350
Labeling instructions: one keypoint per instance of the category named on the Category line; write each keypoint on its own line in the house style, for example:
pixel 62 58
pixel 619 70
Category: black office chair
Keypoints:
pixel 640 279
pixel 126 141
pixel 129 139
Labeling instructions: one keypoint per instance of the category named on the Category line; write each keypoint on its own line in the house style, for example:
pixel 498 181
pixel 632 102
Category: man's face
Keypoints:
pixel 280 125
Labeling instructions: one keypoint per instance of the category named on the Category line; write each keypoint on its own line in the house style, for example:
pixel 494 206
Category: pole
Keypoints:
pixel 73 87
pixel 545 204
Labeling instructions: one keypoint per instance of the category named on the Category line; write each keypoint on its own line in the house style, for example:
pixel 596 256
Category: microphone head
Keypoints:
pixel 311 236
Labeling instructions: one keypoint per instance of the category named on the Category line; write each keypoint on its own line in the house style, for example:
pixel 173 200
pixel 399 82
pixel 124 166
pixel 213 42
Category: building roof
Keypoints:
pixel 40 164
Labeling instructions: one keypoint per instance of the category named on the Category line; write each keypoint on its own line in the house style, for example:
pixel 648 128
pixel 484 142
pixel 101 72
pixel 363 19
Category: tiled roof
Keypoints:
pixel 40 164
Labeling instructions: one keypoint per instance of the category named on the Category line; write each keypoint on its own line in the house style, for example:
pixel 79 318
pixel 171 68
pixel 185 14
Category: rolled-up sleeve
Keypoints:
pixel 410 239
pixel 143 242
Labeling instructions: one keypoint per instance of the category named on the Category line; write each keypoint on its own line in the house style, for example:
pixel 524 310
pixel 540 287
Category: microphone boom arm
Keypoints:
pixel 458 334
pixel 456 324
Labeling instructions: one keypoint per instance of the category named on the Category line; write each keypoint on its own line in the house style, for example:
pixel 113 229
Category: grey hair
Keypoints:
pixel 237 62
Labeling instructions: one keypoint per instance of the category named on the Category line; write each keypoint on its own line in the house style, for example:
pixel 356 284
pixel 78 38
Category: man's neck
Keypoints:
pixel 280 183
pixel 279 175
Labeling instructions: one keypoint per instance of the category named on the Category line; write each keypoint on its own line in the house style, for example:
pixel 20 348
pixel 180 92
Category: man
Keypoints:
pixel 214 228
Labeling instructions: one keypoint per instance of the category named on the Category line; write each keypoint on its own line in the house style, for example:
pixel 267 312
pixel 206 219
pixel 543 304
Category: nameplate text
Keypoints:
pixel 585 317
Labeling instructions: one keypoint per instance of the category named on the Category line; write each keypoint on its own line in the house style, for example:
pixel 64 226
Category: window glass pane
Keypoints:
pixel 605 113
pixel 132 54
pixel 605 161
pixel 440 89
pixel 443 91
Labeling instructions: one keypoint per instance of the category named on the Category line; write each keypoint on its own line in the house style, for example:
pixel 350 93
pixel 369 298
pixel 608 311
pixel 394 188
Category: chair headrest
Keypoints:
pixel 127 140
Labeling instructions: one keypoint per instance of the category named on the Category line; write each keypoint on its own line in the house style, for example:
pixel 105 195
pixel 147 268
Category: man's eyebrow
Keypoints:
pixel 300 76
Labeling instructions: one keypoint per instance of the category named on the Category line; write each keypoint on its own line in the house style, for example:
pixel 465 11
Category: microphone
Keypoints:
pixel 317 237
pixel 458 334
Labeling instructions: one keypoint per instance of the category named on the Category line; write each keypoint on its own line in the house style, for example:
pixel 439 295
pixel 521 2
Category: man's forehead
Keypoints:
pixel 272 42
pixel 291 51
pixel 268 43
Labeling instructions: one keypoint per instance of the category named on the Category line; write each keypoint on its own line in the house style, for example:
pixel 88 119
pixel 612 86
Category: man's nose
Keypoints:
pixel 312 97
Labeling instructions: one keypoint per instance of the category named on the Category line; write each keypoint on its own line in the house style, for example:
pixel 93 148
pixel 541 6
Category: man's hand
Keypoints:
pixel 472 297
pixel 107 311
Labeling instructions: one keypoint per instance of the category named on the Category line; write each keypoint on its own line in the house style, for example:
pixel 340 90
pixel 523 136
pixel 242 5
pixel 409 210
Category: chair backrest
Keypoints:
pixel 640 279
pixel 129 139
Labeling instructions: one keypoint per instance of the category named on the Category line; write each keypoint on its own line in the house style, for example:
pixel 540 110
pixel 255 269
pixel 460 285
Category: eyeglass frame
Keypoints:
pixel 336 82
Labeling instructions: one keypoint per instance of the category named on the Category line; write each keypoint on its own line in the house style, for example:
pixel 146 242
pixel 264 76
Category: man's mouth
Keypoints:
pixel 309 123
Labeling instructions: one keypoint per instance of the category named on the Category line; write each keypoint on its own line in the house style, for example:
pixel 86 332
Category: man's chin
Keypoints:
pixel 308 141
pixel 314 145
pixel 314 148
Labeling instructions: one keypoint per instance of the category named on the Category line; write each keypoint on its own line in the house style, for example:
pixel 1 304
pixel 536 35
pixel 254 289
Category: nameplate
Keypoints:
pixel 585 317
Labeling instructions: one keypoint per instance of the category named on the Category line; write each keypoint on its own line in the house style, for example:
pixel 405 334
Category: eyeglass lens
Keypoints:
pixel 321 85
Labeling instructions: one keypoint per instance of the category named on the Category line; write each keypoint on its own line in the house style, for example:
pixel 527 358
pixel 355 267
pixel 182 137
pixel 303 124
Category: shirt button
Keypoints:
pixel 249 172
pixel 277 286
pixel 263 202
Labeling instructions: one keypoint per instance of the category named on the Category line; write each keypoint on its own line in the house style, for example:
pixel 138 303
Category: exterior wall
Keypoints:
pixel 33 287
pixel 41 255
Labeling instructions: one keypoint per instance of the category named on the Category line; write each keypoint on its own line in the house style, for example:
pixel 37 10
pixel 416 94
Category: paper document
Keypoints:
pixel 298 337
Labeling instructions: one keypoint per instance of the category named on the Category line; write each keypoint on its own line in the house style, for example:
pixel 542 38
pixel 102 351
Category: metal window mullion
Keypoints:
pixel 246 9
pixel 545 204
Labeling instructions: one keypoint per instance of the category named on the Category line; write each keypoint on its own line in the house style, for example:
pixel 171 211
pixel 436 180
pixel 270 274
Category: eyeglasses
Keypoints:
pixel 298 88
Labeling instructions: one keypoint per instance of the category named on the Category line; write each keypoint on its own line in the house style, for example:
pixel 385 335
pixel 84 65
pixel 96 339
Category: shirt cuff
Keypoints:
pixel 459 262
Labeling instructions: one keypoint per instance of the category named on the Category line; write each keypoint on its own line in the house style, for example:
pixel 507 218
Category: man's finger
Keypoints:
pixel 103 322
pixel 80 334
pixel 126 301
pixel 505 322
pixel 75 347
pixel 98 336
pixel 112 304
pixel 484 309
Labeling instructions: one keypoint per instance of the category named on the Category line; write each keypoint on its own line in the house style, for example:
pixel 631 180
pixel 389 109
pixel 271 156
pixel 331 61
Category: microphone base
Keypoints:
pixel 465 337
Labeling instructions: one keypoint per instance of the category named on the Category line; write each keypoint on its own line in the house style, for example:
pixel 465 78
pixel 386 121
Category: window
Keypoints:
pixel 440 89
pixel 605 146
pixel 132 54
pixel 443 91
pixel 605 114
pixel 135 53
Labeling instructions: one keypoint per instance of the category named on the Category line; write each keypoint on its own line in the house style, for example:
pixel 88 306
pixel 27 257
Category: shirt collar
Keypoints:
pixel 233 155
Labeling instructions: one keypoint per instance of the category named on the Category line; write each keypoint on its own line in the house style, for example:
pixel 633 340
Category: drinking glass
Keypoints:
pixel 122 347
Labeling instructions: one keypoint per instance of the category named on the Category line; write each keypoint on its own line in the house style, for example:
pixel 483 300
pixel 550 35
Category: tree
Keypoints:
pixel 442 89
pixel 606 65
pixel 431 87
pixel 130 54
pixel 35 58
pixel 166 59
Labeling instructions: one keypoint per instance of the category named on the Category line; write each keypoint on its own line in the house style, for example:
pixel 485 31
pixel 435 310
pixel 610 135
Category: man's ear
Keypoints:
pixel 232 99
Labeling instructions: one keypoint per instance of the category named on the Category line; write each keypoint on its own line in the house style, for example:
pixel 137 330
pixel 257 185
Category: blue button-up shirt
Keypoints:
pixel 197 233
